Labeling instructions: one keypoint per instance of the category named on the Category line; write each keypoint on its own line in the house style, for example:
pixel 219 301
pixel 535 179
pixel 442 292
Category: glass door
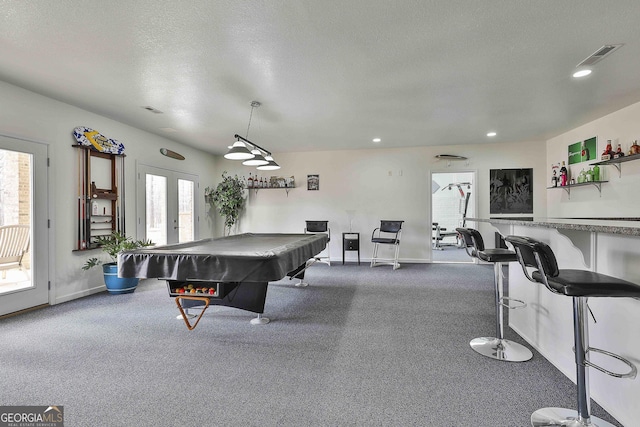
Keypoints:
pixel 24 275
pixel 452 201
pixel 167 206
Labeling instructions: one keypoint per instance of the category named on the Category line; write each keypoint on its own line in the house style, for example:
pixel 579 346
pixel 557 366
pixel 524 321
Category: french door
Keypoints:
pixel 24 238
pixel 166 205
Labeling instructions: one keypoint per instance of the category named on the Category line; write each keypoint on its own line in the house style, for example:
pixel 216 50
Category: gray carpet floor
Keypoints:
pixel 358 347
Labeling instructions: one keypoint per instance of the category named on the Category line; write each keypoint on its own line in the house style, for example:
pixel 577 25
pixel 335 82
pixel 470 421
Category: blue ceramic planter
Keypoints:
pixel 115 284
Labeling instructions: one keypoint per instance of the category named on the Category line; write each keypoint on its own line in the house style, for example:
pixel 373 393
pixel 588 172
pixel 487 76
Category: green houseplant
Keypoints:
pixel 113 244
pixel 228 197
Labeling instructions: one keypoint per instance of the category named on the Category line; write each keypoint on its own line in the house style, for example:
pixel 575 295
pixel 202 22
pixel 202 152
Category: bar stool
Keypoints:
pixel 580 285
pixel 495 347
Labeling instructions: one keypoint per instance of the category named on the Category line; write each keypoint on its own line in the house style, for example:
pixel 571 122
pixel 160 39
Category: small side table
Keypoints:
pixel 351 242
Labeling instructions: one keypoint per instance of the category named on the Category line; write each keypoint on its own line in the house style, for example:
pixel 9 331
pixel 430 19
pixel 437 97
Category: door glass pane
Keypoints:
pixel 156 209
pixel 15 220
pixel 185 210
pixel 452 201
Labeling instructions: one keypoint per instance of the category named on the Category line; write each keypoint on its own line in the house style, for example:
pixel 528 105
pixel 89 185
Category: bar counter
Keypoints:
pixel 625 226
pixel 607 245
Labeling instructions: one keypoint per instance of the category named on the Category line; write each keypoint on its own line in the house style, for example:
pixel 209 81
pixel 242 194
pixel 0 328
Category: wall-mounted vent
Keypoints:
pixel 599 54
pixel 153 110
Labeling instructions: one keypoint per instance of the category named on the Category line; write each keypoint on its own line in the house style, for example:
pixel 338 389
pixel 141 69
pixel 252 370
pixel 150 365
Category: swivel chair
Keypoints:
pixel 315 227
pixel 579 285
pixel 495 347
pixel 387 234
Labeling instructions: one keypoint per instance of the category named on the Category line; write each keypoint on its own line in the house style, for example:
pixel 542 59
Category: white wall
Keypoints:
pixel 379 184
pixel 619 195
pixel 33 117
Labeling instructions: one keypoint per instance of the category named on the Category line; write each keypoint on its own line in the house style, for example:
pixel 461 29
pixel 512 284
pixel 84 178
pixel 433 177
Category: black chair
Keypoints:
pixel 387 234
pixel 320 227
pixel 580 285
pixel 495 347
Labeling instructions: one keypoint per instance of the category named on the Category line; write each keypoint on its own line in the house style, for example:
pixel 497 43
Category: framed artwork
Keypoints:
pixel 582 151
pixel 511 191
pixel 313 182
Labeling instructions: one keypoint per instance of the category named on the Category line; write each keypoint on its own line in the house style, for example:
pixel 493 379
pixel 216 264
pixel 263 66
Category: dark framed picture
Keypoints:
pixel 313 182
pixel 511 191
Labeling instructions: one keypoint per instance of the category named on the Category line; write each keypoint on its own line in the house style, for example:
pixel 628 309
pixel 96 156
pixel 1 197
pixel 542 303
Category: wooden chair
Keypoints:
pixel 14 243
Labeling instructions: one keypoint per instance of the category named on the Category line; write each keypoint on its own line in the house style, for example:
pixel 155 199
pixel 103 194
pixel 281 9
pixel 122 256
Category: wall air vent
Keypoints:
pixel 599 54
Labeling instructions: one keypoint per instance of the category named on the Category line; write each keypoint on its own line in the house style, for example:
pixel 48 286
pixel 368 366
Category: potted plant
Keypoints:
pixel 113 245
pixel 228 197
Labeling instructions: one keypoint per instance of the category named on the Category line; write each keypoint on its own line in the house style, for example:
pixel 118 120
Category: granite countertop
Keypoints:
pixel 625 226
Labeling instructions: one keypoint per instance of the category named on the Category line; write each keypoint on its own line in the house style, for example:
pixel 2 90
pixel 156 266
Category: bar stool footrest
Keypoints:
pixel 521 304
pixel 631 374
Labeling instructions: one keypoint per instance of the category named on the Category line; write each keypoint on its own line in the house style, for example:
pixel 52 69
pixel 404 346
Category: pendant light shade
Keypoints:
pixel 258 156
pixel 271 166
pixel 257 159
pixel 238 151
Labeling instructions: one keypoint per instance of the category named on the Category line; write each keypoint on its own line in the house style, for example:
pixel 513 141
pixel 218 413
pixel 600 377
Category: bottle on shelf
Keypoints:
pixel 582 177
pixel 596 173
pixel 608 151
pixel 554 174
pixel 619 153
pixel 250 181
pixel 564 175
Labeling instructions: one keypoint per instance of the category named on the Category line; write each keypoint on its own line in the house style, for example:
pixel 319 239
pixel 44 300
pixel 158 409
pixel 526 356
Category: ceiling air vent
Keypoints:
pixel 153 110
pixel 599 54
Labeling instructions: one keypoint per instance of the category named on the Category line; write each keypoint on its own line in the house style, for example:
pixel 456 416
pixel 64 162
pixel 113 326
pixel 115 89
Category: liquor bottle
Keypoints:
pixel 608 152
pixel 596 173
pixel 564 175
pixel 618 152
pixel 261 185
pixel 250 181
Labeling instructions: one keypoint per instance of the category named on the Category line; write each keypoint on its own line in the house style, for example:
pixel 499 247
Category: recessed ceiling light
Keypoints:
pixel 491 134
pixel 582 73
pixel 376 140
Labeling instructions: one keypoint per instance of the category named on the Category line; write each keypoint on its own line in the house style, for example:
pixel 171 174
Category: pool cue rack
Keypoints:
pixel 100 208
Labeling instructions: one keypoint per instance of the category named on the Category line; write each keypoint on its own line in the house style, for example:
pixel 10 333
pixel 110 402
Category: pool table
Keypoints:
pixel 232 271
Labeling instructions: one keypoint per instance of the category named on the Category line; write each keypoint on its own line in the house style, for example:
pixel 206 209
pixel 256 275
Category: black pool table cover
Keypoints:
pixel 245 257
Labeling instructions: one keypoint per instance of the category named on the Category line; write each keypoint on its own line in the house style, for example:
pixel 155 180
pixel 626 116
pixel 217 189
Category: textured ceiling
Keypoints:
pixel 330 74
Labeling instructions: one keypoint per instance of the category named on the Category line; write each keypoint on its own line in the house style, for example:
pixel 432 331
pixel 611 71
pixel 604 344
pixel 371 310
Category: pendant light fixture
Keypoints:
pixel 251 153
pixel 271 166
pixel 257 160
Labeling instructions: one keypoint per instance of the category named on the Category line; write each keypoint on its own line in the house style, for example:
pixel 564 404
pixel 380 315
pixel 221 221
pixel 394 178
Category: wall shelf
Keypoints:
pixel 287 189
pixel 567 188
pixel 617 163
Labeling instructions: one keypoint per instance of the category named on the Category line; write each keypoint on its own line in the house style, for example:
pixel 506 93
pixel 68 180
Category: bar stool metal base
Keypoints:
pixel 498 349
pixel 547 417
